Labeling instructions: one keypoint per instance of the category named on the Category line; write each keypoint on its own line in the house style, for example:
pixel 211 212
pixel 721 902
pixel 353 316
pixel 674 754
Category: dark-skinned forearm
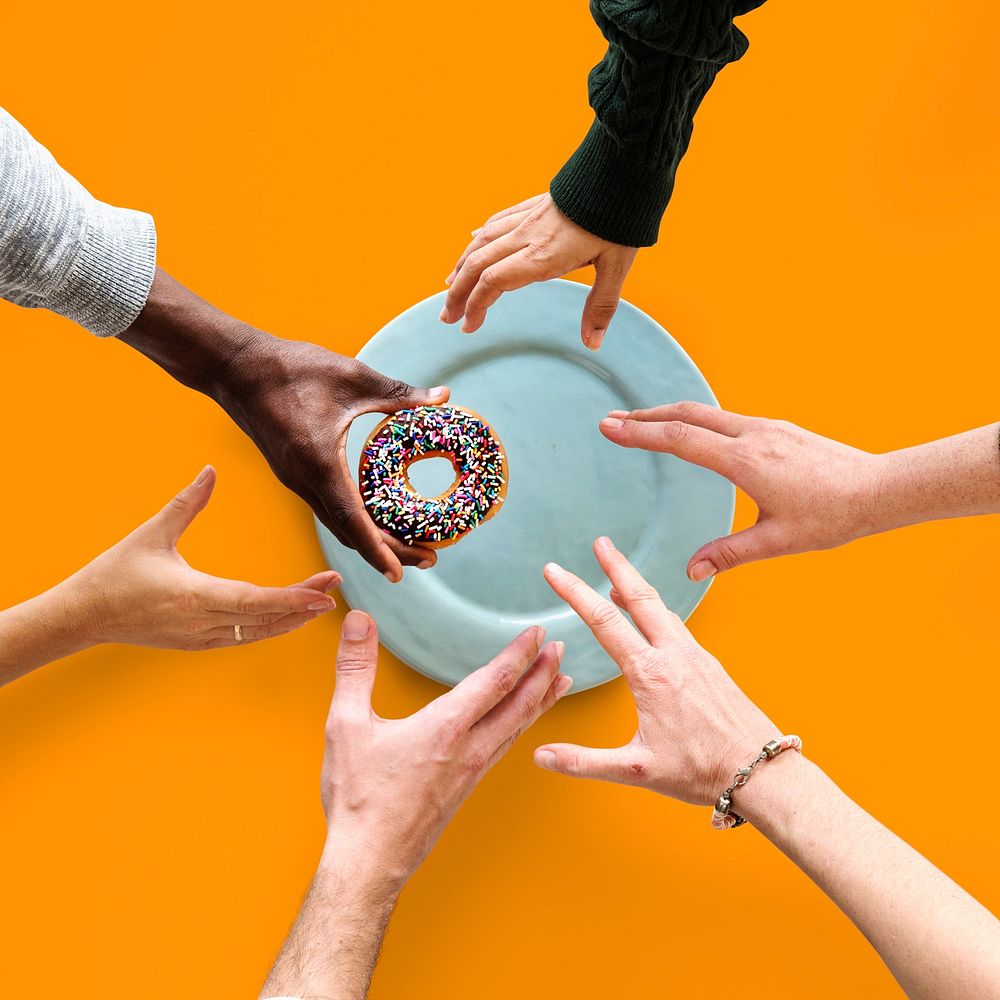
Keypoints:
pixel 189 338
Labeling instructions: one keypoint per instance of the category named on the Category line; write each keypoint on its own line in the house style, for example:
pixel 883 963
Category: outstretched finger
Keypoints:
pixel 712 418
pixel 505 721
pixel 516 271
pixel 342 510
pixel 638 598
pixel 241 598
pixel 323 581
pixel 486 687
pixel 467 279
pixel 487 234
pixel 521 206
pixel 673 437
pixel 225 635
pixel 611 629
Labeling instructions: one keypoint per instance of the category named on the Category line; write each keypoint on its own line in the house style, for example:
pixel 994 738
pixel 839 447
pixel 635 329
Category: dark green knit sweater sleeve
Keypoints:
pixel 663 55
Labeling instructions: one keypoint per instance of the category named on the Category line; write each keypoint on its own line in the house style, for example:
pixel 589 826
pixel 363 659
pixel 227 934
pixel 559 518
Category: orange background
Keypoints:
pixel 829 258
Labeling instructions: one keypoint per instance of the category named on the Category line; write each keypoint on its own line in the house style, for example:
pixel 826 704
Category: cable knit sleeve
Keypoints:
pixel 663 56
pixel 62 249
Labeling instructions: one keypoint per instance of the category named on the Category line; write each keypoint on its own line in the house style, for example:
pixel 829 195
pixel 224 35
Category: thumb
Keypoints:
pixel 357 659
pixel 176 517
pixel 389 395
pixel 610 271
pixel 602 302
pixel 761 541
pixel 624 765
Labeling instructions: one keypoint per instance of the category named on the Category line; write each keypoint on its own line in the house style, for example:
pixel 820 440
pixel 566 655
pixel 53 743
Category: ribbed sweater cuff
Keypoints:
pixel 612 193
pixel 108 283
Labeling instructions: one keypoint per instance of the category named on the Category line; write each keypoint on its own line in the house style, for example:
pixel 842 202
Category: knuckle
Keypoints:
pixel 642 593
pixel 390 388
pixel 475 261
pixel 452 728
pixel 650 663
pixel 477 759
pixel 505 679
pixel 687 409
pixel 727 555
pixel 604 614
pixel 674 432
pixel 539 251
pixel 489 279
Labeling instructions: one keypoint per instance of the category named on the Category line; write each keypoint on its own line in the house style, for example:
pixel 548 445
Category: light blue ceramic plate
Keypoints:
pixel 528 374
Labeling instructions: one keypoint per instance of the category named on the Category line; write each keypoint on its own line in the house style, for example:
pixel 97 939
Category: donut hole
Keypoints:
pixel 432 476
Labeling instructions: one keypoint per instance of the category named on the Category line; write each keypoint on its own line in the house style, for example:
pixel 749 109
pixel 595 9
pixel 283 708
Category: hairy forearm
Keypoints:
pixel 331 951
pixel 937 940
pixel 955 477
pixel 41 630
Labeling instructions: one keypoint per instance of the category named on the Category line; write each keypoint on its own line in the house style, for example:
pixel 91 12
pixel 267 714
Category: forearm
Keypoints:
pixel 197 344
pixel 41 630
pixel 957 476
pixel 935 938
pixel 331 951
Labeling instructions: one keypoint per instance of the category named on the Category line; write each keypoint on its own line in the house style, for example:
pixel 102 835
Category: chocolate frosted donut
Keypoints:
pixel 449 432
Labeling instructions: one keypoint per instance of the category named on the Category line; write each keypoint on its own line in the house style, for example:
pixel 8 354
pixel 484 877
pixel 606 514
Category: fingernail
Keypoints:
pixel 444 316
pixel 702 570
pixel 321 605
pixel 612 424
pixel 595 341
pixel 438 390
pixel 357 625
pixel 564 683
pixel 604 543
pixel 539 635
pixel 203 475
pixel 466 328
pixel 554 569
pixel 586 341
pixel 546 759
pixel 619 414
pixel 426 564
pixel 560 649
pixel 476 232
pixel 392 576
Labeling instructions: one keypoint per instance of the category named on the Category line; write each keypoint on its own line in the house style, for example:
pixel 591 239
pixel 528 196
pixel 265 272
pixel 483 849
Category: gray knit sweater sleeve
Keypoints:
pixel 61 248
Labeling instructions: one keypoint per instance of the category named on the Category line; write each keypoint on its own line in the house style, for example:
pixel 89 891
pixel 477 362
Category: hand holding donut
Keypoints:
pixel 141 591
pixel 295 400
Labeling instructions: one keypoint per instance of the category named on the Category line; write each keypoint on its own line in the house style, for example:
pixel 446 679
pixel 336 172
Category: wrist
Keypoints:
pixel 370 869
pixel 68 617
pixel 199 345
pixel 775 794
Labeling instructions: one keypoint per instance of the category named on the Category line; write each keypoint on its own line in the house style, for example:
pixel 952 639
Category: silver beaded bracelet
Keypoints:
pixel 723 817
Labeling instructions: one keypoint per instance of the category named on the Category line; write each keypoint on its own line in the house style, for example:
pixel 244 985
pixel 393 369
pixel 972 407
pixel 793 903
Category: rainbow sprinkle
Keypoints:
pixel 424 432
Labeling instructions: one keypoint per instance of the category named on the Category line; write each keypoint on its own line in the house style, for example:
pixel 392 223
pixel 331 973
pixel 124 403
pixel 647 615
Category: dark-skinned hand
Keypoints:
pixel 295 400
